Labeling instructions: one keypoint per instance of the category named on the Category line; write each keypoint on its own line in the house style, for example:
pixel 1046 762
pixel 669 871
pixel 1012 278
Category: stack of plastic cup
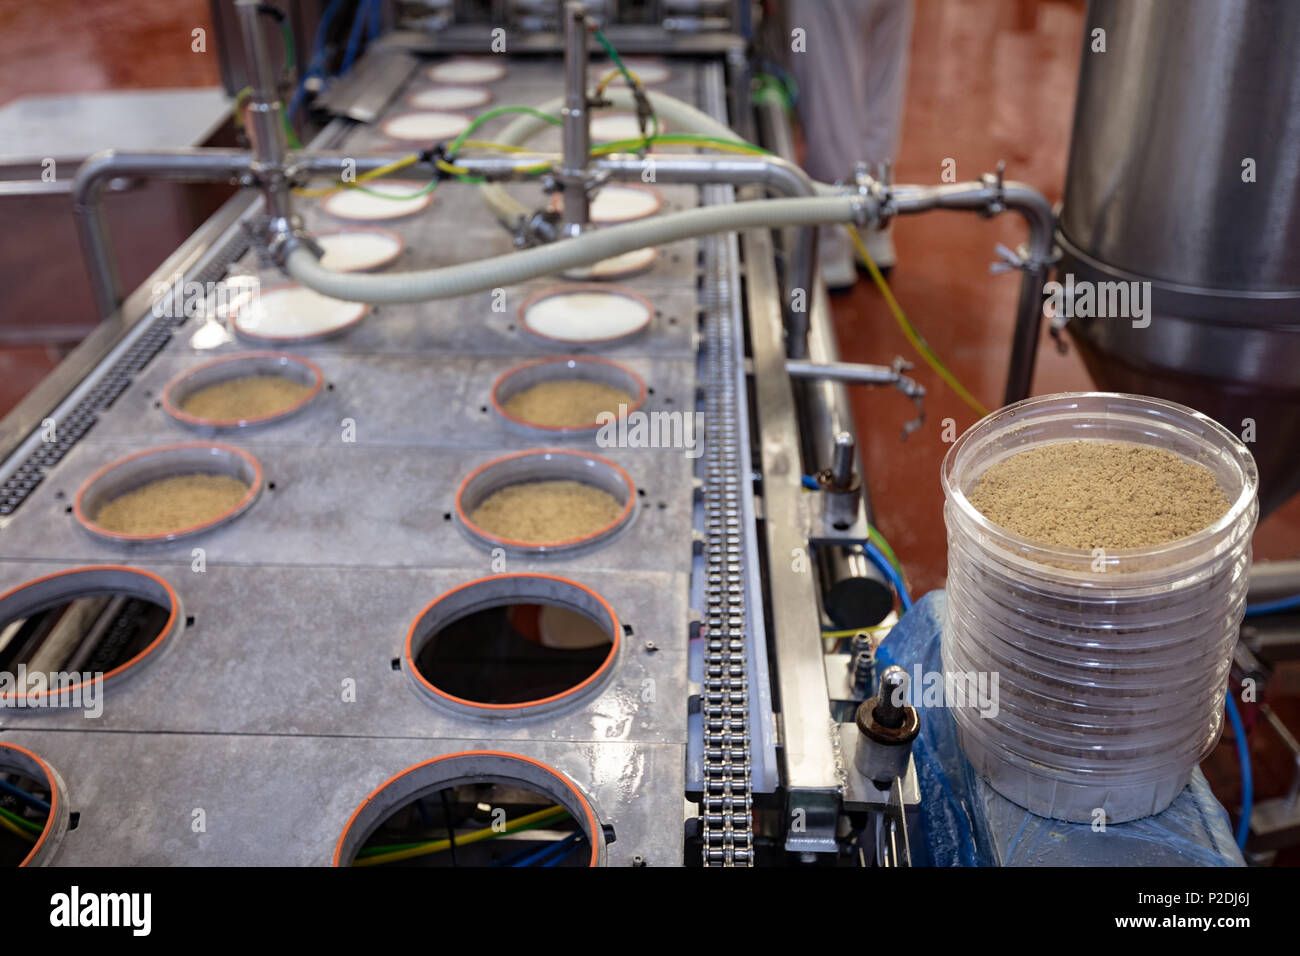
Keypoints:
pixel 1110 666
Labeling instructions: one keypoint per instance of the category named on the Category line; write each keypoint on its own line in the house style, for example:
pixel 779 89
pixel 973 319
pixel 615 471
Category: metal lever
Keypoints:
pixel 853 373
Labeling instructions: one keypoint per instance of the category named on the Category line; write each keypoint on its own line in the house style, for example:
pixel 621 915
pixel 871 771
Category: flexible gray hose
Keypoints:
pixel 586 249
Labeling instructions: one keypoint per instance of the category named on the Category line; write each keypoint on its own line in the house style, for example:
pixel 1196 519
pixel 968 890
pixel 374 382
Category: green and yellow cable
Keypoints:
pixel 913 336
pixel 244 94
pixel 29 825
pixel 879 541
pixel 851 631
pixel 680 139
pixel 375 856
pixel 614 74
pixel 364 178
pixel 633 82
pixel 17 830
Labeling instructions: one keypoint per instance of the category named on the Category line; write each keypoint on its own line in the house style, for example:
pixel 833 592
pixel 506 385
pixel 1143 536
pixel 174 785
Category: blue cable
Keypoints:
pixel 316 64
pixel 547 850
pixel 24 796
pixel 884 567
pixel 359 21
pixel 876 557
pixel 1271 607
pixel 1243 757
pixel 561 857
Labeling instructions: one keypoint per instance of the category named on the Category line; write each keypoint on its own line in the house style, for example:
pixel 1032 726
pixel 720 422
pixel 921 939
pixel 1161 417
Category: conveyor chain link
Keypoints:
pixel 726 825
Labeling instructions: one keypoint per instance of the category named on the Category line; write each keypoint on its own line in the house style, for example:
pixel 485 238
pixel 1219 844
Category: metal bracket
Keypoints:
pixel 859 792
pixel 826 528
pixel 812 820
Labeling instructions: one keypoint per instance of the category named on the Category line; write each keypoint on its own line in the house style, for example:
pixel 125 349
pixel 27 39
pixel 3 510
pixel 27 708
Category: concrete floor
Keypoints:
pixel 989 80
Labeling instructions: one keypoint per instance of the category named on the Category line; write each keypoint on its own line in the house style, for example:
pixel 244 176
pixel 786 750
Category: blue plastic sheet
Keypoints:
pixel 964 822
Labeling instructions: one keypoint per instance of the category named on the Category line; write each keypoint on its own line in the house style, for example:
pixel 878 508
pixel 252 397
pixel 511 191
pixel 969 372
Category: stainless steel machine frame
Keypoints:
pixel 801 423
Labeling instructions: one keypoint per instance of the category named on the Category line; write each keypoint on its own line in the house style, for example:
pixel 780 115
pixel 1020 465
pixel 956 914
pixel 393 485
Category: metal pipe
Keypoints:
pixel 800 246
pixel 854 591
pixel 266 123
pixel 183 165
pixel 990 196
pixel 849 372
pixel 771 172
pixel 577 134
pixel 1271 580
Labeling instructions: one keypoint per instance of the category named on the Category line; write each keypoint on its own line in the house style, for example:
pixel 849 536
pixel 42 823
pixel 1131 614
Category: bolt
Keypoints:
pixel 842 460
pixel 890 704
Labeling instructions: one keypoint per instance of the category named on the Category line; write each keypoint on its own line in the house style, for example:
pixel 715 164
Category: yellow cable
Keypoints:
pixel 910 331
pixel 670 140
pixel 437 846
pixel 614 74
pixel 17 830
pixel 849 632
pixel 364 178
pixel 498 147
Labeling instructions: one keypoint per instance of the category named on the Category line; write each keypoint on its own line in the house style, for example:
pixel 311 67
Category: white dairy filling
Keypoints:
pixel 586 316
pixel 354 204
pixel 357 251
pixel 422 127
pixel 295 312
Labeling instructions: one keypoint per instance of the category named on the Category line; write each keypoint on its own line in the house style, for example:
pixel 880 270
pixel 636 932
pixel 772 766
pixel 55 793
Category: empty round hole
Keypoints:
pixel 33 805
pixel 565 396
pixel 167 493
pixel 474 808
pixel 544 501
pixel 254 388
pixel 67 630
pixel 512 643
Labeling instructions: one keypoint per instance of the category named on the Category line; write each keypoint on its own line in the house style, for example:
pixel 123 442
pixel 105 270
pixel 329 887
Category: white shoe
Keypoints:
pixel 835 253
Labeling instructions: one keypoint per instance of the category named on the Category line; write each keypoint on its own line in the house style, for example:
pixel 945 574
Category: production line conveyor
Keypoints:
pixel 281 696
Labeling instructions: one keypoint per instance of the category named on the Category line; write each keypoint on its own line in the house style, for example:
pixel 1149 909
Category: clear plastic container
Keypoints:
pixel 1111 668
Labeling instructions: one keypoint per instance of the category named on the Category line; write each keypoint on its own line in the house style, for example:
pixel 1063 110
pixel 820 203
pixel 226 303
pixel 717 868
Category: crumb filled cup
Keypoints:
pixel 1109 663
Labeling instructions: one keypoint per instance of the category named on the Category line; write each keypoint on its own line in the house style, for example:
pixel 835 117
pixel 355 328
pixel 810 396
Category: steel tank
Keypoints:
pixel 1184 172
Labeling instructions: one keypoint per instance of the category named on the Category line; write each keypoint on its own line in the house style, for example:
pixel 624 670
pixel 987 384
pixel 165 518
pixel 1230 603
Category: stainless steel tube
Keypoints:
pixel 1273 580
pixel 185 165
pixel 991 197
pixel 854 592
pixel 576 132
pixel 849 372
pixel 266 121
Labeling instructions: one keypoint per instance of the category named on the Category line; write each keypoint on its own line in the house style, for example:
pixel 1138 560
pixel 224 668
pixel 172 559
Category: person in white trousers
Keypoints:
pixel 851 75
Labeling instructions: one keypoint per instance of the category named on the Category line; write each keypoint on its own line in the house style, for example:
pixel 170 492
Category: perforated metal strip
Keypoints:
pixel 73 425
